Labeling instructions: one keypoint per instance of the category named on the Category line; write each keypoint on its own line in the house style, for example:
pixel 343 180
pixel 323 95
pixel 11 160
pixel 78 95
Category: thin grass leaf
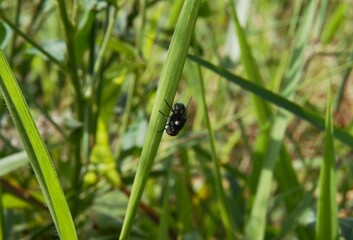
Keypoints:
pixel 37 152
pixel 307 115
pixel 166 91
pixel 164 221
pixel 217 175
pixel 70 44
pixel 326 219
pixel 262 109
pixel 297 210
pixel 287 179
pixel 257 222
pixel 335 22
pixel 321 18
pixel 37 46
pixel 13 162
pixel 343 85
pixel 183 204
pixel 84 30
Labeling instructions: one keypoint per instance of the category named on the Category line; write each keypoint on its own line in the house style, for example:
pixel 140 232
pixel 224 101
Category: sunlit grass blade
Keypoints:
pixel 37 152
pixel 262 108
pixel 12 162
pixel 326 220
pixel 335 22
pixel 255 228
pixel 263 111
pixel 166 91
pixel 257 223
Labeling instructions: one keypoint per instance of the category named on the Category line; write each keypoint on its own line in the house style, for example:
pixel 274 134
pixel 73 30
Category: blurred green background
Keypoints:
pixel 90 78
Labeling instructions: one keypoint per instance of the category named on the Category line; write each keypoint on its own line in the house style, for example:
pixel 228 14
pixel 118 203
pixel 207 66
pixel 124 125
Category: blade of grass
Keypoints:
pixel 12 162
pixel 72 61
pixel 80 102
pixel 14 37
pixel 335 22
pixel 298 207
pixel 262 109
pixel 166 91
pixel 307 115
pixel 37 152
pixel 221 196
pixel 287 180
pixel 255 228
pixel 344 81
pixel 164 223
pixel 326 219
pixel 184 207
pixel 321 19
pixel 32 42
pixel 264 115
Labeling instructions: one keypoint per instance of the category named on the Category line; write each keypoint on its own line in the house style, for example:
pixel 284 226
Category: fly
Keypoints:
pixel 177 120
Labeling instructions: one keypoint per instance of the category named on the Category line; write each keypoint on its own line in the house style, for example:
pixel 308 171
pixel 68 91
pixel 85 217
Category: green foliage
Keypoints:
pixel 326 220
pixel 263 154
pixel 36 151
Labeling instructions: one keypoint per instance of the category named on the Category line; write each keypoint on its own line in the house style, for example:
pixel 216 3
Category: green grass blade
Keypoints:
pixel 32 42
pixel 321 17
pixel 12 162
pixel 166 91
pixel 335 22
pixel 183 204
pixel 257 222
pixel 219 191
pixel 287 179
pixel 164 223
pixel 263 110
pixel 326 220
pixel 37 152
pixel 309 116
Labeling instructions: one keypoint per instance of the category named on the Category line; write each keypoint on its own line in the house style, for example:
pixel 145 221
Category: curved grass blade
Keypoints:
pixel 276 99
pixel 166 91
pixel 37 152
pixel 12 162
pixel 256 225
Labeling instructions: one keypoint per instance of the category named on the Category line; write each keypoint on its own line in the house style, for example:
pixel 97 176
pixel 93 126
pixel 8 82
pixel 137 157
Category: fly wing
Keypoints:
pixel 186 109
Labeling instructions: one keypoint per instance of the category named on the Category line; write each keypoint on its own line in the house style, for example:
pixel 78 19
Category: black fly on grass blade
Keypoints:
pixel 177 120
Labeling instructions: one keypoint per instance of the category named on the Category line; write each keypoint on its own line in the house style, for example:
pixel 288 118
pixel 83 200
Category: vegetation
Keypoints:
pixel 265 152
